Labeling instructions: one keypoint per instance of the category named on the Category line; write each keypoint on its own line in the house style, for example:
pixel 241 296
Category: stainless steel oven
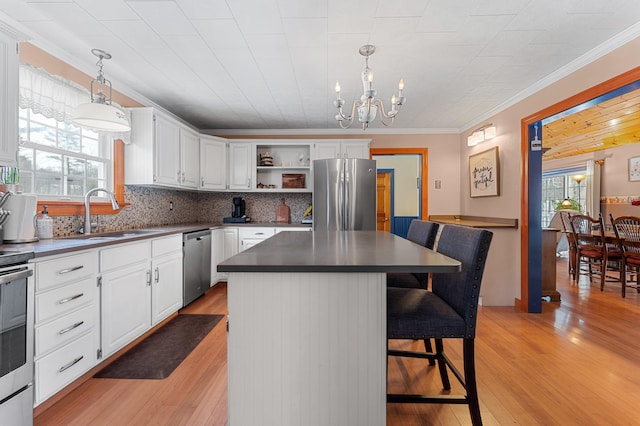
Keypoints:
pixel 16 338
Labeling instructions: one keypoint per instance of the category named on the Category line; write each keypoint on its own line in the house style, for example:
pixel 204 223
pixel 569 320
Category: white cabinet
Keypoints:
pixel 189 158
pixel 126 294
pixel 251 235
pixel 166 267
pixel 8 100
pixel 67 316
pixel 241 165
pixel 346 148
pixel 224 244
pixel 213 163
pixel 162 151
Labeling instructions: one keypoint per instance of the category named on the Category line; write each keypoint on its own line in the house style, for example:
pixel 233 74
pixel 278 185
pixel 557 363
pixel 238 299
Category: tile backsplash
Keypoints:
pixel 152 207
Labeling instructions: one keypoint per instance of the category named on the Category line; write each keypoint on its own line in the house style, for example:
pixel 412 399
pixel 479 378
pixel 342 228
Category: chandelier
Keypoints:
pixel 100 114
pixel 368 105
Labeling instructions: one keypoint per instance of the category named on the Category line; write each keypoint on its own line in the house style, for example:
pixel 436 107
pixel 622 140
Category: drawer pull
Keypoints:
pixel 69 299
pixel 71 364
pixel 73 268
pixel 68 329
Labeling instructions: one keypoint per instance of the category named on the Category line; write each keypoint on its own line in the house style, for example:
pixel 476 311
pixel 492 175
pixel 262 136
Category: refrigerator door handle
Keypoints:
pixel 346 224
pixel 341 202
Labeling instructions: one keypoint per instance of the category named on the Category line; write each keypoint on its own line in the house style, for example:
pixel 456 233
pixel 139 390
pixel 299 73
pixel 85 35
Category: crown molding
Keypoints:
pixel 370 131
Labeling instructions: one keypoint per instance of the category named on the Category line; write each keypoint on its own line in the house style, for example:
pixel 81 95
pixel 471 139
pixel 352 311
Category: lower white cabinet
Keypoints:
pixel 67 316
pixel 166 285
pixel 250 236
pixel 126 305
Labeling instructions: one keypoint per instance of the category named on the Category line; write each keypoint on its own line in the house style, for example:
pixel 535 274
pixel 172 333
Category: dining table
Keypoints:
pixel 307 341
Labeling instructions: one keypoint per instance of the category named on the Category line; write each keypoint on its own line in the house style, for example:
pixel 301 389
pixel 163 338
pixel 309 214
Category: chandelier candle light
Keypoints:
pixel 368 104
pixel 100 114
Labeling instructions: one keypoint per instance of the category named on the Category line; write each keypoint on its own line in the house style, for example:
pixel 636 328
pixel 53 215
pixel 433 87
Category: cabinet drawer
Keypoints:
pixel 123 255
pixel 64 329
pixel 51 273
pixel 256 233
pixel 65 299
pixel 165 245
pixel 63 366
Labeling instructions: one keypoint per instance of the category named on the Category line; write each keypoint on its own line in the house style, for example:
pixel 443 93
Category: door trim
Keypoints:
pixel 528 184
pixel 424 187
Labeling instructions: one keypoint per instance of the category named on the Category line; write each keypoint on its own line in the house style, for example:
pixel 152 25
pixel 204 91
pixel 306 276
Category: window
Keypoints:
pixel 558 185
pixel 59 160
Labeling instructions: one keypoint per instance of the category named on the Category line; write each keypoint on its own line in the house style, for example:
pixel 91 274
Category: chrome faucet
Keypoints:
pixel 87 214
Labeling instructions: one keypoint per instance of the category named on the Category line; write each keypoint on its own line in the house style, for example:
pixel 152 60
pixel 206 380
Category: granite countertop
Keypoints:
pixel 338 251
pixel 78 242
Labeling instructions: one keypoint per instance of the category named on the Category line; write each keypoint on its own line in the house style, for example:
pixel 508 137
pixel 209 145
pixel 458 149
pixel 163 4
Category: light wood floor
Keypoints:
pixel 577 363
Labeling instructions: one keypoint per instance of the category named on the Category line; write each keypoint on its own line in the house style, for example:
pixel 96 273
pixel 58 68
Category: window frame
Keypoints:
pixel 56 207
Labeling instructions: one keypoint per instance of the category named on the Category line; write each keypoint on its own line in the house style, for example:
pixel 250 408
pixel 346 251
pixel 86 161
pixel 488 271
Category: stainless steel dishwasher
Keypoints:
pixel 196 264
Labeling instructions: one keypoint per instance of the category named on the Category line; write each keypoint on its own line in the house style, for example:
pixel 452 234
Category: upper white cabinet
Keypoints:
pixel 162 151
pixel 213 163
pixel 241 165
pixel 8 101
pixel 347 148
pixel 189 158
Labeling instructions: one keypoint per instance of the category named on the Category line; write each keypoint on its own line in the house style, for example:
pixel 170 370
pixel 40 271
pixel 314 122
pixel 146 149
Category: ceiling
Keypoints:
pixel 273 64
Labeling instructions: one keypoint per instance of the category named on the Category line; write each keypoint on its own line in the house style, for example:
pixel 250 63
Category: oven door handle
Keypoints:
pixel 4 279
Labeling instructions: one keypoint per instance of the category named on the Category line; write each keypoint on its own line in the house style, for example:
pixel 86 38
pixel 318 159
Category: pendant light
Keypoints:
pixel 99 114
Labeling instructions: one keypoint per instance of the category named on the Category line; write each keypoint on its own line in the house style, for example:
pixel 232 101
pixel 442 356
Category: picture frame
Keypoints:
pixel 634 169
pixel 484 173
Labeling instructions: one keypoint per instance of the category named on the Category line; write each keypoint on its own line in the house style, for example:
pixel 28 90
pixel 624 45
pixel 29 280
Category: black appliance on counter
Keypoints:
pixel 238 213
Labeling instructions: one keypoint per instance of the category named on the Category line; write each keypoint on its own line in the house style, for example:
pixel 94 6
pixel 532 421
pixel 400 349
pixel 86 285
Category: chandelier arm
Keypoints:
pixel 350 117
pixel 383 115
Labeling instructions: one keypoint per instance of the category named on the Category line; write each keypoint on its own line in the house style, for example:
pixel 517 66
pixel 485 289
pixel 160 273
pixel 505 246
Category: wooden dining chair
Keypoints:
pixel 449 310
pixel 592 249
pixel 627 232
pixel 565 217
pixel 424 233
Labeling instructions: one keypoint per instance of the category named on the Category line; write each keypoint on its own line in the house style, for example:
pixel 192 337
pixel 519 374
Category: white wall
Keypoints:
pixel 406 170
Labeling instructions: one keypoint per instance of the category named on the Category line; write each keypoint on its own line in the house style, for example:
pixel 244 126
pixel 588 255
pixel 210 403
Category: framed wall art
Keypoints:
pixel 634 169
pixel 484 173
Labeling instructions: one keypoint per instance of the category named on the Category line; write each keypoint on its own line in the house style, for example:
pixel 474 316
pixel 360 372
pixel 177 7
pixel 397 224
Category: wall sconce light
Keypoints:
pixel 482 134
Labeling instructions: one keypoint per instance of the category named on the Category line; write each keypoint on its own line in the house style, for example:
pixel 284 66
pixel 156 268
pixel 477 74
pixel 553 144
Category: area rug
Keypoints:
pixel 159 354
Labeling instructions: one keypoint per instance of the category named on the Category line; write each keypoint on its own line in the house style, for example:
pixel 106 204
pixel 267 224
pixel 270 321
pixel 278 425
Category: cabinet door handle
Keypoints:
pixel 178 176
pixel 157 275
pixel 71 364
pixel 73 268
pixel 249 183
pixel 148 278
pixel 69 299
pixel 259 233
pixel 68 329
pixel 202 181
pixel 183 177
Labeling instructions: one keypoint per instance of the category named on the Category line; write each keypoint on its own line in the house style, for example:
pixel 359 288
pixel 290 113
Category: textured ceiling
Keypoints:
pixel 273 64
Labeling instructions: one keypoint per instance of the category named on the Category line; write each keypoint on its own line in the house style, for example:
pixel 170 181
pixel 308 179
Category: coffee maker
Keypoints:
pixel 239 207
pixel 238 212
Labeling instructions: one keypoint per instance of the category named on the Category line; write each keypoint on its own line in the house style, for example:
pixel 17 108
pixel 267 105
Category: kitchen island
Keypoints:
pixel 307 325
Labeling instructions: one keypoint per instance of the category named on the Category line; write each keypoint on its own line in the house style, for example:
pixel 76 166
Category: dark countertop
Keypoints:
pixel 70 244
pixel 475 221
pixel 339 251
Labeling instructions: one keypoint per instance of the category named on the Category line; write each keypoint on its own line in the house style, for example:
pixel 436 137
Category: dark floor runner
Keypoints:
pixel 159 354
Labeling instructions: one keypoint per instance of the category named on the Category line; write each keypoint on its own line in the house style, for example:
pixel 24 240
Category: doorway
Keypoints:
pixel 530 231
pixel 409 187
pixel 384 200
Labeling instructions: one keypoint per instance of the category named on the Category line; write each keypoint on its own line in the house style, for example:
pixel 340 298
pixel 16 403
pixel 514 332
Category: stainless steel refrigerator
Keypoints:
pixel 344 194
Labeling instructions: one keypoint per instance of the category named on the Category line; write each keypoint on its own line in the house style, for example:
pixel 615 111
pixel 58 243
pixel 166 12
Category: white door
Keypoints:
pixel 167 151
pixel 126 306
pixel 240 165
pixel 166 286
pixel 213 163
pixel 189 161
